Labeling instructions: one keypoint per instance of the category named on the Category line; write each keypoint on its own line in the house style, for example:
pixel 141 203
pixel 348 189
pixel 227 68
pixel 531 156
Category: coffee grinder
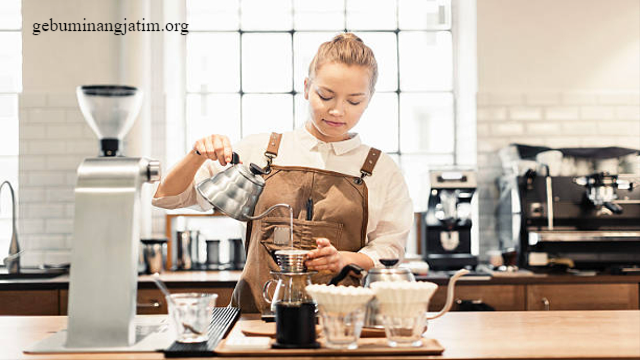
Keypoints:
pixel 103 277
pixel 449 243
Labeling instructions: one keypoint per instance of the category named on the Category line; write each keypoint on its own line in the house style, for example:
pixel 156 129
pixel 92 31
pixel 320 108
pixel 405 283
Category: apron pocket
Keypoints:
pixel 305 233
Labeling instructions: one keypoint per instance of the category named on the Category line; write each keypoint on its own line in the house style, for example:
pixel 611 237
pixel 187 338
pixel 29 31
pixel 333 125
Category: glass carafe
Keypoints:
pixel 290 288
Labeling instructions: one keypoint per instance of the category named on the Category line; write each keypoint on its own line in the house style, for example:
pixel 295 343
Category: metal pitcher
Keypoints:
pixel 235 191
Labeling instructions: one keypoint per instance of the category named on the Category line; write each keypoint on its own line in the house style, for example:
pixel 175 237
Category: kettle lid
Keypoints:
pixel 250 175
pixel 253 174
pixel 389 268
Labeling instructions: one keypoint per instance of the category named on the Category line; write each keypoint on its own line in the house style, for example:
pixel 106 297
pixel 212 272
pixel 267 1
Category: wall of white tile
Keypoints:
pixel 54 140
pixel 554 119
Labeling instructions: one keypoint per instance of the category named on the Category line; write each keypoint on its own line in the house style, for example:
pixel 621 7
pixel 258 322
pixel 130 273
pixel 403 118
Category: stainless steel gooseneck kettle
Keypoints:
pixel 235 191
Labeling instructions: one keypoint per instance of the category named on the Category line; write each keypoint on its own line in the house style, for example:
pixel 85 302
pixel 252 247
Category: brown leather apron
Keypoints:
pixel 339 204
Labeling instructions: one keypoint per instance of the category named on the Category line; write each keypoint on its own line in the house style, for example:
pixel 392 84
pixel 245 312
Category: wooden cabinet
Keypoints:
pixel 582 297
pixel 152 301
pixel 613 296
pixel 500 297
pixel 548 293
pixel 29 302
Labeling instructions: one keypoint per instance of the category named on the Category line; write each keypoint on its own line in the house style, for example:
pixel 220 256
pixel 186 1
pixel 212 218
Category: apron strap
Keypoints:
pixel 274 144
pixel 370 162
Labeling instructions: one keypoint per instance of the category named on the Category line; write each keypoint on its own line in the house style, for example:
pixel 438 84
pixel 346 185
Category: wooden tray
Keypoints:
pixel 375 346
pixel 261 328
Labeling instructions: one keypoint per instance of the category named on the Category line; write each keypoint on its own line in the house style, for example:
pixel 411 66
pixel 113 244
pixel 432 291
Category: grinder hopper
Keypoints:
pixel 110 111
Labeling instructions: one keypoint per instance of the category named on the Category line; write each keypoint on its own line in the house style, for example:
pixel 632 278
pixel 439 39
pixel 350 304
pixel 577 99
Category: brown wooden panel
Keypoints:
pixel 29 302
pixel 500 297
pixel 151 301
pixel 64 301
pixel 583 297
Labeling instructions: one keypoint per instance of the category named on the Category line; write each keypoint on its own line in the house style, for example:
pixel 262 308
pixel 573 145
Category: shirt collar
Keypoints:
pixel 339 147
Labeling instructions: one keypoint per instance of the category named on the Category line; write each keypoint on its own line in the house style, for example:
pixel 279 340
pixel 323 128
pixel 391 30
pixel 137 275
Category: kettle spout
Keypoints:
pixel 266 212
pixel 450 291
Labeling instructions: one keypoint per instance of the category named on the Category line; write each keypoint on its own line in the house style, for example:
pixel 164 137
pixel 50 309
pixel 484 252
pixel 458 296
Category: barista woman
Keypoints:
pixel 350 201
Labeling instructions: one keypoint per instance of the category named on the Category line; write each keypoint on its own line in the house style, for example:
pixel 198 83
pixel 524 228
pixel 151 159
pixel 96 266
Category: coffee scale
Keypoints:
pixel 103 277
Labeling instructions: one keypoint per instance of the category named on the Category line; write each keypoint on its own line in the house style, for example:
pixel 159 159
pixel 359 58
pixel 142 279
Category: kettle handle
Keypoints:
pixel 265 291
pixel 450 289
pixel 235 158
pixel 344 272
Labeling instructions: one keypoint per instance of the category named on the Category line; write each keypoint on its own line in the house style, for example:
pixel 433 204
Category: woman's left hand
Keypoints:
pixel 325 257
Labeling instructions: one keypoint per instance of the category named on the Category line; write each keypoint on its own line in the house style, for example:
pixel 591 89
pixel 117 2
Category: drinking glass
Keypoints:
pixel 342 329
pixel 405 328
pixel 189 315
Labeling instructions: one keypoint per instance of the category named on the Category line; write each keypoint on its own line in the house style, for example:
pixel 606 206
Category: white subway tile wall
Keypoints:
pixel 554 119
pixel 54 140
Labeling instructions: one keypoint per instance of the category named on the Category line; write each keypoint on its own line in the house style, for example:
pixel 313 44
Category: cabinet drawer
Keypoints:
pixel 500 297
pixel 29 302
pixel 582 297
pixel 151 301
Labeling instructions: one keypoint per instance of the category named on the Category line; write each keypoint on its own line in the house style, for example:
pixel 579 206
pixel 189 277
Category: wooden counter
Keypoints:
pixel 464 335
pixel 503 293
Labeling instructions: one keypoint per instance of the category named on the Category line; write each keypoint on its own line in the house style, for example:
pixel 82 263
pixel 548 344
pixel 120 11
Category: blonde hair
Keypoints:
pixel 348 49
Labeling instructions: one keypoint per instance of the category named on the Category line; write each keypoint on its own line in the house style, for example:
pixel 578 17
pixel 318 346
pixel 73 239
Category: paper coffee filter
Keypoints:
pixel 404 297
pixel 339 298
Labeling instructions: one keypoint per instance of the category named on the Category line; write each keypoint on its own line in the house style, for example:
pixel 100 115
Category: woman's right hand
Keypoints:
pixel 214 147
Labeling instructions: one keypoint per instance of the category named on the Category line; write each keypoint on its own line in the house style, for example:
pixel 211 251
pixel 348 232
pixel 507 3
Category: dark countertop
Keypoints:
pixel 224 279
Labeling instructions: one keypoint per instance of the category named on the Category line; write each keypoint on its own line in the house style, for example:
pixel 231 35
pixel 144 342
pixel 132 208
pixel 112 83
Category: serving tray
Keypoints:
pixel 375 346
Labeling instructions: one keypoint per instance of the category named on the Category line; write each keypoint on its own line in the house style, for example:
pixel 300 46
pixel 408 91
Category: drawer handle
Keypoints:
pixel 546 303
pixel 154 304
pixel 475 301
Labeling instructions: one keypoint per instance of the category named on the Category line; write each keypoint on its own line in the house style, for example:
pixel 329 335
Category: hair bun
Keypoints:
pixel 346 37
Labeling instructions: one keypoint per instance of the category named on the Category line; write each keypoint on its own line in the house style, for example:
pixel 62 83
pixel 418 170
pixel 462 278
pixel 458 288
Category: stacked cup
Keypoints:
pixel 342 309
pixel 403 307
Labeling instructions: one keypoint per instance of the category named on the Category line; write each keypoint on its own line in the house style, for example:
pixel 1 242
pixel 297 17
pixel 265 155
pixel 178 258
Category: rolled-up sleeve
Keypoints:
pixel 389 238
pixel 246 148
pixel 189 197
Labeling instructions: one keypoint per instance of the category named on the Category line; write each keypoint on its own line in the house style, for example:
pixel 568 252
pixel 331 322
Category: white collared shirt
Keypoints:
pixel 390 208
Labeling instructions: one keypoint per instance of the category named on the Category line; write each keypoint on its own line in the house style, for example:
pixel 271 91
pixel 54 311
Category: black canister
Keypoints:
pixel 183 251
pixel 295 326
pixel 237 256
pixel 213 254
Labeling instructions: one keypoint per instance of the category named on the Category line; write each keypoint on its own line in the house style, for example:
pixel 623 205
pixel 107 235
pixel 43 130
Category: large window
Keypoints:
pixel 10 87
pixel 247 60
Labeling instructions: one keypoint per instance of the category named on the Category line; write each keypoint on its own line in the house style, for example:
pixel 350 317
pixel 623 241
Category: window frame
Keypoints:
pixel 462 19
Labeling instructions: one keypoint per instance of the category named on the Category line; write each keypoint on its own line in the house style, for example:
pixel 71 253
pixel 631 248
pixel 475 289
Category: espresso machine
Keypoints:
pixel 103 276
pixel 584 221
pixel 449 242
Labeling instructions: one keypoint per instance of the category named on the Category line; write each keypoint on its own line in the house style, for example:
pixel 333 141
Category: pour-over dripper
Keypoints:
pixel 110 111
